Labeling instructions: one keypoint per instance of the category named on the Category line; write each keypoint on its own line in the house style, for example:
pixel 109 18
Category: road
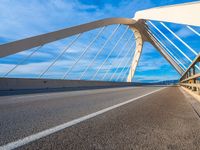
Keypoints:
pixel 115 118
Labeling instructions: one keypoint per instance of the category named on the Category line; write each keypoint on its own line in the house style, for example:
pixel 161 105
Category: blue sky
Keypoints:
pixel 21 19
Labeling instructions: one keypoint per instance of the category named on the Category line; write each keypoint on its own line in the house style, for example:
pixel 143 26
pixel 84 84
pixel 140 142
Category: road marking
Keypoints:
pixel 55 129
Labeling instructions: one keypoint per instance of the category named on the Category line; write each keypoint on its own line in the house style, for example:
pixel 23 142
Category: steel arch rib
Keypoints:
pixel 138 50
pixel 31 42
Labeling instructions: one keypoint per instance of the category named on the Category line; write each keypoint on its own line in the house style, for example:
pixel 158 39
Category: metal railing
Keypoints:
pixel 191 77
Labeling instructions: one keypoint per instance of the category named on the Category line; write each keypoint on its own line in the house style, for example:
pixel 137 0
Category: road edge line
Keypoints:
pixel 44 133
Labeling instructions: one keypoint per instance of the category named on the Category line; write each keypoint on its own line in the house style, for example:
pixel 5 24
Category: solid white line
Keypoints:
pixel 47 132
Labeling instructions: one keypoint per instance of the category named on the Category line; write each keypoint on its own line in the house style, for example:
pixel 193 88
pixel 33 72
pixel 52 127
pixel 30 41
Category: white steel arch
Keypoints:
pixel 136 24
pixel 186 13
pixel 136 57
pixel 28 43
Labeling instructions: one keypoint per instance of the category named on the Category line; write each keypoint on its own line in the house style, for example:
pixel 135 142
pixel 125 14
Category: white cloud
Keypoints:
pixel 184 32
pixel 21 19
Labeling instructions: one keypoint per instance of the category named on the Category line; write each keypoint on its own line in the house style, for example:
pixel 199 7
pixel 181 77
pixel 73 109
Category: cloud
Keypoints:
pixel 21 19
pixel 151 64
pixel 184 32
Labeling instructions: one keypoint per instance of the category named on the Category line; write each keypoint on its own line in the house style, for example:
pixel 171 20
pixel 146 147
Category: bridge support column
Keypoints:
pixel 138 51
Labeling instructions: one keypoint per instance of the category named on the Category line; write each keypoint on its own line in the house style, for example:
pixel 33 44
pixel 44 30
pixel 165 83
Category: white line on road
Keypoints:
pixel 47 132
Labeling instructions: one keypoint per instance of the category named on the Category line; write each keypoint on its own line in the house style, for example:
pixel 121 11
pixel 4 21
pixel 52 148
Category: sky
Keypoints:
pixel 21 19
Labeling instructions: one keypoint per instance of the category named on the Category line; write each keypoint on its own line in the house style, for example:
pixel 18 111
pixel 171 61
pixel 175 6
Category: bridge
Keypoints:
pixel 66 102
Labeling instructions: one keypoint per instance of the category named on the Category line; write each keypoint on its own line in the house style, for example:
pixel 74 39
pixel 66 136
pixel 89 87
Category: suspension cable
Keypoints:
pixel 124 76
pixel 130 58
pixel 23 60
pixel 165 47
pixel 121 62
pixel 85 50
pixel 60 55
pixel 171 48
pixel 173 44
pixel 124 46
pixel 192 50
pixel 193 30
pixel 170 41
pixel 110 52
pixel 172 55
pixel 176 53
pixel 159 44
pixel 101 49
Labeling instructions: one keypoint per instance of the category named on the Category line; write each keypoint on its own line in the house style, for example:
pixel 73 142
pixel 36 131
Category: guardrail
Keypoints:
pixel 190 78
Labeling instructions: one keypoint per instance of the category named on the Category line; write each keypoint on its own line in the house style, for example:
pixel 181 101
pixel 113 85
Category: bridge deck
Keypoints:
pixel 161 120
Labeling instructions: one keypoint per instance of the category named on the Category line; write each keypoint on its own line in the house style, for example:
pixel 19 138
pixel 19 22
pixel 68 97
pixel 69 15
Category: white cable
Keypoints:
pixel 124 46
pixel 171 48
pixel 61 54
pixel 121 62
pixel 103 46
pixel 124 76
pixel 23 60
pixel 165 47
pixel 178 38
pixel 110 53
pixel 85 50
pixel 170 41
pixel 126 62
pixel 173 44
pixel 159 45
pixel 193 30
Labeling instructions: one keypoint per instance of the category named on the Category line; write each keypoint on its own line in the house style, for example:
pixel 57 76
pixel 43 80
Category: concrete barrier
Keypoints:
pixel 13 84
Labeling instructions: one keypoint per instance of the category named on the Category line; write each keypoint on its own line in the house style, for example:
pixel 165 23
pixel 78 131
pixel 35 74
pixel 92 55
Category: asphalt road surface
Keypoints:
pixel 115 118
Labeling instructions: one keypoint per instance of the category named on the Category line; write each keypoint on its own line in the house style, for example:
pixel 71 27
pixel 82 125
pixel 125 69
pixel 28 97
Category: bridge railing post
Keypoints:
pixel 190 78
